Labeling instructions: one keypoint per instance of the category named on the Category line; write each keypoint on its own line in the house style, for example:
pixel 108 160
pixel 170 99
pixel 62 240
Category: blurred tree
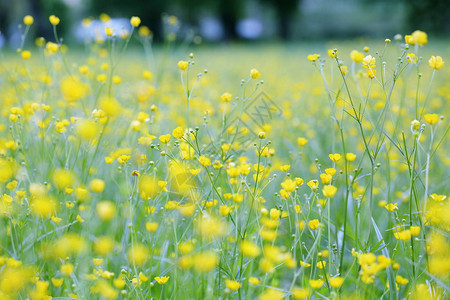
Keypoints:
pixel 190 9
pixel 286 10
pixel 149 11
pixel 42 9
pixel 229 12
pixel 4 22
pixel 429 15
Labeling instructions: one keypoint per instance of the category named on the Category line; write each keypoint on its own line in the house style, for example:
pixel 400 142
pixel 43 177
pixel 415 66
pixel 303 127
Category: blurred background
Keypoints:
pixel 212 21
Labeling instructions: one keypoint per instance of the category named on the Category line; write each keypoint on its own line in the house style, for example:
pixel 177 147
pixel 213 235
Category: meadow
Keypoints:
pixel 302 171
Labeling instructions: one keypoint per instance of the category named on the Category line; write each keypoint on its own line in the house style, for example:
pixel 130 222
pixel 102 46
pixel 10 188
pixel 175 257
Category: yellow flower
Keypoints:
pixel 271 294
pixel 104 245
pixel 383 261
pixel 162 279
pixel 67 269
pixel 409 39
pixel 119 283
pixel 186 247
pixel 321 264
pixel 254 280
pixel 165 138
pixel 330 171
pixel 106 210
pixel 431 118
pixel 356 56
pixel 255 73
pixel 183 65
pixel 313 184
pixel 412 58
pixel 304 264
pixel 391 207
pixel 87 129
pixel 224 210
pixel 325 178
pixel 73 89
pixel 57 282
pixel 232 284
pixel 335 157
pixel 299 181
pixel 313 224
pixel 301 141
pixel 185 262
pixel 178 132
pixel 371 73
pixel 418 37
pixel 336 282
pixel 151 226
pixel 97 185
pixel 289 185
pixel 404 235
pixel 401 280
pixel 26 54
pixel 415 125
pixel 300 293
pixel 51 47
pixel 204 262
pixel 43 207
pixel 97 261
pixel 116 79
pixel 56 219
pixel 226 97
pixel 369 62
pixel 28 20
pixel 415 230
pixel 332 53
pixel 211 227
pixel 53 20
pixel 142 277
pixel 350 156
pixel 382 203
pixel 135 21
pixel 11 185
pixel 366 259
pixel 104 18
pixel 102 78
pixel 313 57
pixel 316 283
pixel 204 161
pixel 329 191
pixel 148 187
pixel 144 31
pixel 438 198
pixel 285 168
pixel 275 214
pixel 109 31
pixel 250 249
pixel 138 254
pixel 436 62
pixel 301 225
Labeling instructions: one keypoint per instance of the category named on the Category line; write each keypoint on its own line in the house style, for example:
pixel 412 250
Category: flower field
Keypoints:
pixel 309 171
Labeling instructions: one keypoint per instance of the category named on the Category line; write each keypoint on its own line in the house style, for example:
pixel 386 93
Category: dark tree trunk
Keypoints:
pixel 229 11
pixel 284 21
pixel 430 16
pixel 229 23
pixel 42 28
